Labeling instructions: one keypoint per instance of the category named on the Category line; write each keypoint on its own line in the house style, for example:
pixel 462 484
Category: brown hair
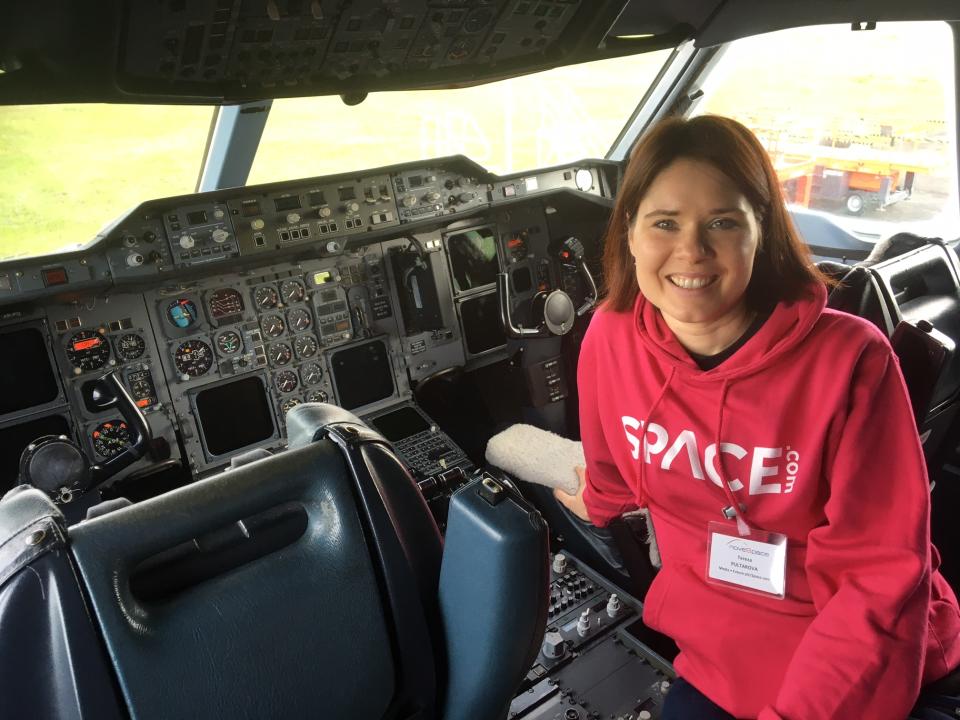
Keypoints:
pixel 782 268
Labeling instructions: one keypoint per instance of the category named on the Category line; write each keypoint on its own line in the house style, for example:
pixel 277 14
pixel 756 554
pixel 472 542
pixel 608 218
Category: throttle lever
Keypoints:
pixel 570 252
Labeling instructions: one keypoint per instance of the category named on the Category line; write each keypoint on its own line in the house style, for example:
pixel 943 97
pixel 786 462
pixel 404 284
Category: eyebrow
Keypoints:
pixel 715 211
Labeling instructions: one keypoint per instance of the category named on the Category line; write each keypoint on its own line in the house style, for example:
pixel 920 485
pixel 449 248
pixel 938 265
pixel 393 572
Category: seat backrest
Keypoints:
pixel 52 663
pixel 301 630
pixel 306 584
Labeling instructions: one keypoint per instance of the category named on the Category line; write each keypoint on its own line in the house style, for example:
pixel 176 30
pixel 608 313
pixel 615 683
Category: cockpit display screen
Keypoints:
pixel 291 202
pixel 26 378
pixel 362 374
pixel 401 423
pixel 482 327
pixel 473 259
pixel 234 415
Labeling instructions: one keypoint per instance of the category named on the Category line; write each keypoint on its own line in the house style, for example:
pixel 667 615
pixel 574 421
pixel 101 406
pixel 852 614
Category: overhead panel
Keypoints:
pixel 237 47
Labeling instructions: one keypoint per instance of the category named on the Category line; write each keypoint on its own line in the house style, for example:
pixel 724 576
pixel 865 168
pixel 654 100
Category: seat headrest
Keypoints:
pixel 306 421
pixel 896 245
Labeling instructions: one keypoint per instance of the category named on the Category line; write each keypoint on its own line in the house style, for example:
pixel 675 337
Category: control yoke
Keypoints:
pixel 57 465
pixel 555 307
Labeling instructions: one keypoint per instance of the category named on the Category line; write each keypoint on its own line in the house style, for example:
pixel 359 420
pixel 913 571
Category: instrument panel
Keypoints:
pixel 224 310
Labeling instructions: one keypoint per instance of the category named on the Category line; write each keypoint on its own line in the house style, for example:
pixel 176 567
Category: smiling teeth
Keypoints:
pixel 690 283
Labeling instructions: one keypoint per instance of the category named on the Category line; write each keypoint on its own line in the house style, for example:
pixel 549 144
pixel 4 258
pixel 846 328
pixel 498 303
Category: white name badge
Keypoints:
pixel 754 563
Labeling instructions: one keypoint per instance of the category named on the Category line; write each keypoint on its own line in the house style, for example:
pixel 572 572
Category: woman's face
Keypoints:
pixel 694 237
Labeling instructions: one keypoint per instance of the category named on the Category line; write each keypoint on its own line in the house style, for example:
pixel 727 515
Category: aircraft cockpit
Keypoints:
pixel 281 368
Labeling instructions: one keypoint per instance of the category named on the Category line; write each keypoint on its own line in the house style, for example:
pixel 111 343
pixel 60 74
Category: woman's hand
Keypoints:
pixel 574 503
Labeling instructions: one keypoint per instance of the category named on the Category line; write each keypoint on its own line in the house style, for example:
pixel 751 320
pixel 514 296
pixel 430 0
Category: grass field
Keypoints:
pixel 69 170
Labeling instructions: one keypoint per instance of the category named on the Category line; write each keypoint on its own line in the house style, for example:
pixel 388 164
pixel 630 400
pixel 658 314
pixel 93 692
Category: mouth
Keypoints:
pixel 692 282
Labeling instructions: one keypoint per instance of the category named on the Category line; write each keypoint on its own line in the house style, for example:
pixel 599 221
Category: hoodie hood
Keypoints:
pixel 787 326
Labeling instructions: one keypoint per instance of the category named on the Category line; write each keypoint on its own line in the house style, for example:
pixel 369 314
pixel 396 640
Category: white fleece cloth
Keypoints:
pixel 544 458
pixel 537 456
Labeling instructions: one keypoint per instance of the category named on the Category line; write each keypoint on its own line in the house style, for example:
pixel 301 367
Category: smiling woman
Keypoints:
pixel 686 398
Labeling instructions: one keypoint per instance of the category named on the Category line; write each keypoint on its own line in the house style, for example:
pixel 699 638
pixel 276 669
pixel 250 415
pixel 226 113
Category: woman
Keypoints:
pixel 772 441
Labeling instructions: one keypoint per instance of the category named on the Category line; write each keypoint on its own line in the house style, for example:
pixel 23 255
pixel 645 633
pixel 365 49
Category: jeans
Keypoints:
pixel 685 702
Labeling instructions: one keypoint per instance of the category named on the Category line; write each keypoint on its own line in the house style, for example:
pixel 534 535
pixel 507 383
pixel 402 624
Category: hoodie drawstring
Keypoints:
pixel 643 445
pixel 742 526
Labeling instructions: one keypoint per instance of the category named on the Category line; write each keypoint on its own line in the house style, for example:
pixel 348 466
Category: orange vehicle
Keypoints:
pixel 856 181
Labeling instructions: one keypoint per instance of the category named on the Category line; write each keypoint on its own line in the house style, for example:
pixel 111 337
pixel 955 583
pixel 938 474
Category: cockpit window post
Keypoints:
pixel 232 144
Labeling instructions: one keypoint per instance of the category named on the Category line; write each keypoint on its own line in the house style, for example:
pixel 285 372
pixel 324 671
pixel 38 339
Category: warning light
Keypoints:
pixel 143 402
pixel 54 276
pixel 324 276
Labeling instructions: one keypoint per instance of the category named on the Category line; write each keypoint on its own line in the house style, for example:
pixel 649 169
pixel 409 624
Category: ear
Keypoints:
pixel 629 236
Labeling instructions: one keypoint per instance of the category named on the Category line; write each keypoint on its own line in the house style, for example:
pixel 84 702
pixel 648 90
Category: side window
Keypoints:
pixel 859 124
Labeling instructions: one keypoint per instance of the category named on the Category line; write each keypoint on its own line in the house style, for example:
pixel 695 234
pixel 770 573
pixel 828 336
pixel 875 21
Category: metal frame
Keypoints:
pixel 235 134
pixel 685 64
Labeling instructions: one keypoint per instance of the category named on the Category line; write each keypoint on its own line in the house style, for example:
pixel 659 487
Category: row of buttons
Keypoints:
pixel 215 250
pixel 423 210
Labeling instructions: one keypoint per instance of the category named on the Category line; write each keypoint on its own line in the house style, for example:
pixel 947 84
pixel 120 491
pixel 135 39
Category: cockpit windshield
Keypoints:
pixel 70 168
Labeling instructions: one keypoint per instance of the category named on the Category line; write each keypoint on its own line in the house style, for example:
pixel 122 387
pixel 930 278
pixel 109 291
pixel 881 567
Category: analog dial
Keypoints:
pixel 299 319
pixel 288 405
pixel 182 313
pixel 280 354
pixel 266 297
pixel 111 438
pixel 286 381
pixel 225 302
pixel 130 346
pixel 311 374
pixel 88 350
pixel 305 345
pixel 272 325
pixel 229 342
pixel 316 396
pixel 193 358
pixel 291 291
pixel 142 389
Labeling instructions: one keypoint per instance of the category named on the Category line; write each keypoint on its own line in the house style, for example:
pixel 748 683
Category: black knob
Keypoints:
pixel 52 462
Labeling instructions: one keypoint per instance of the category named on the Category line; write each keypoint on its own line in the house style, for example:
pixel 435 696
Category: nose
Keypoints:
pixel 693 243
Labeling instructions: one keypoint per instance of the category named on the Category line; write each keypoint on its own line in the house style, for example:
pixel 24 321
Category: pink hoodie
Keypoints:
pixel 817 439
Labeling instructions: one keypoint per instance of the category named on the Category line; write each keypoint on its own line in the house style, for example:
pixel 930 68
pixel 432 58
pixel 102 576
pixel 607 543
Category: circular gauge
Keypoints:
pixel 272 325
pixel 225 302
pixel 305 345
pixel 311 373
pixel 288 405
pixel 280 354
pixel 130 346
pixel 299 319
pixel 88 350
pixel 111 438
pixel 316 396
pixel 182 313
pixel 229 342
pixel 583 179
pixel 291 291
pixel 193 358
pixel 266 297
pixel 286 381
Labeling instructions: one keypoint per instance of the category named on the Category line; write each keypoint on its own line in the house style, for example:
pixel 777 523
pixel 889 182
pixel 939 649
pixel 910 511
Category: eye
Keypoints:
pixel 723 224
pixel 665 224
